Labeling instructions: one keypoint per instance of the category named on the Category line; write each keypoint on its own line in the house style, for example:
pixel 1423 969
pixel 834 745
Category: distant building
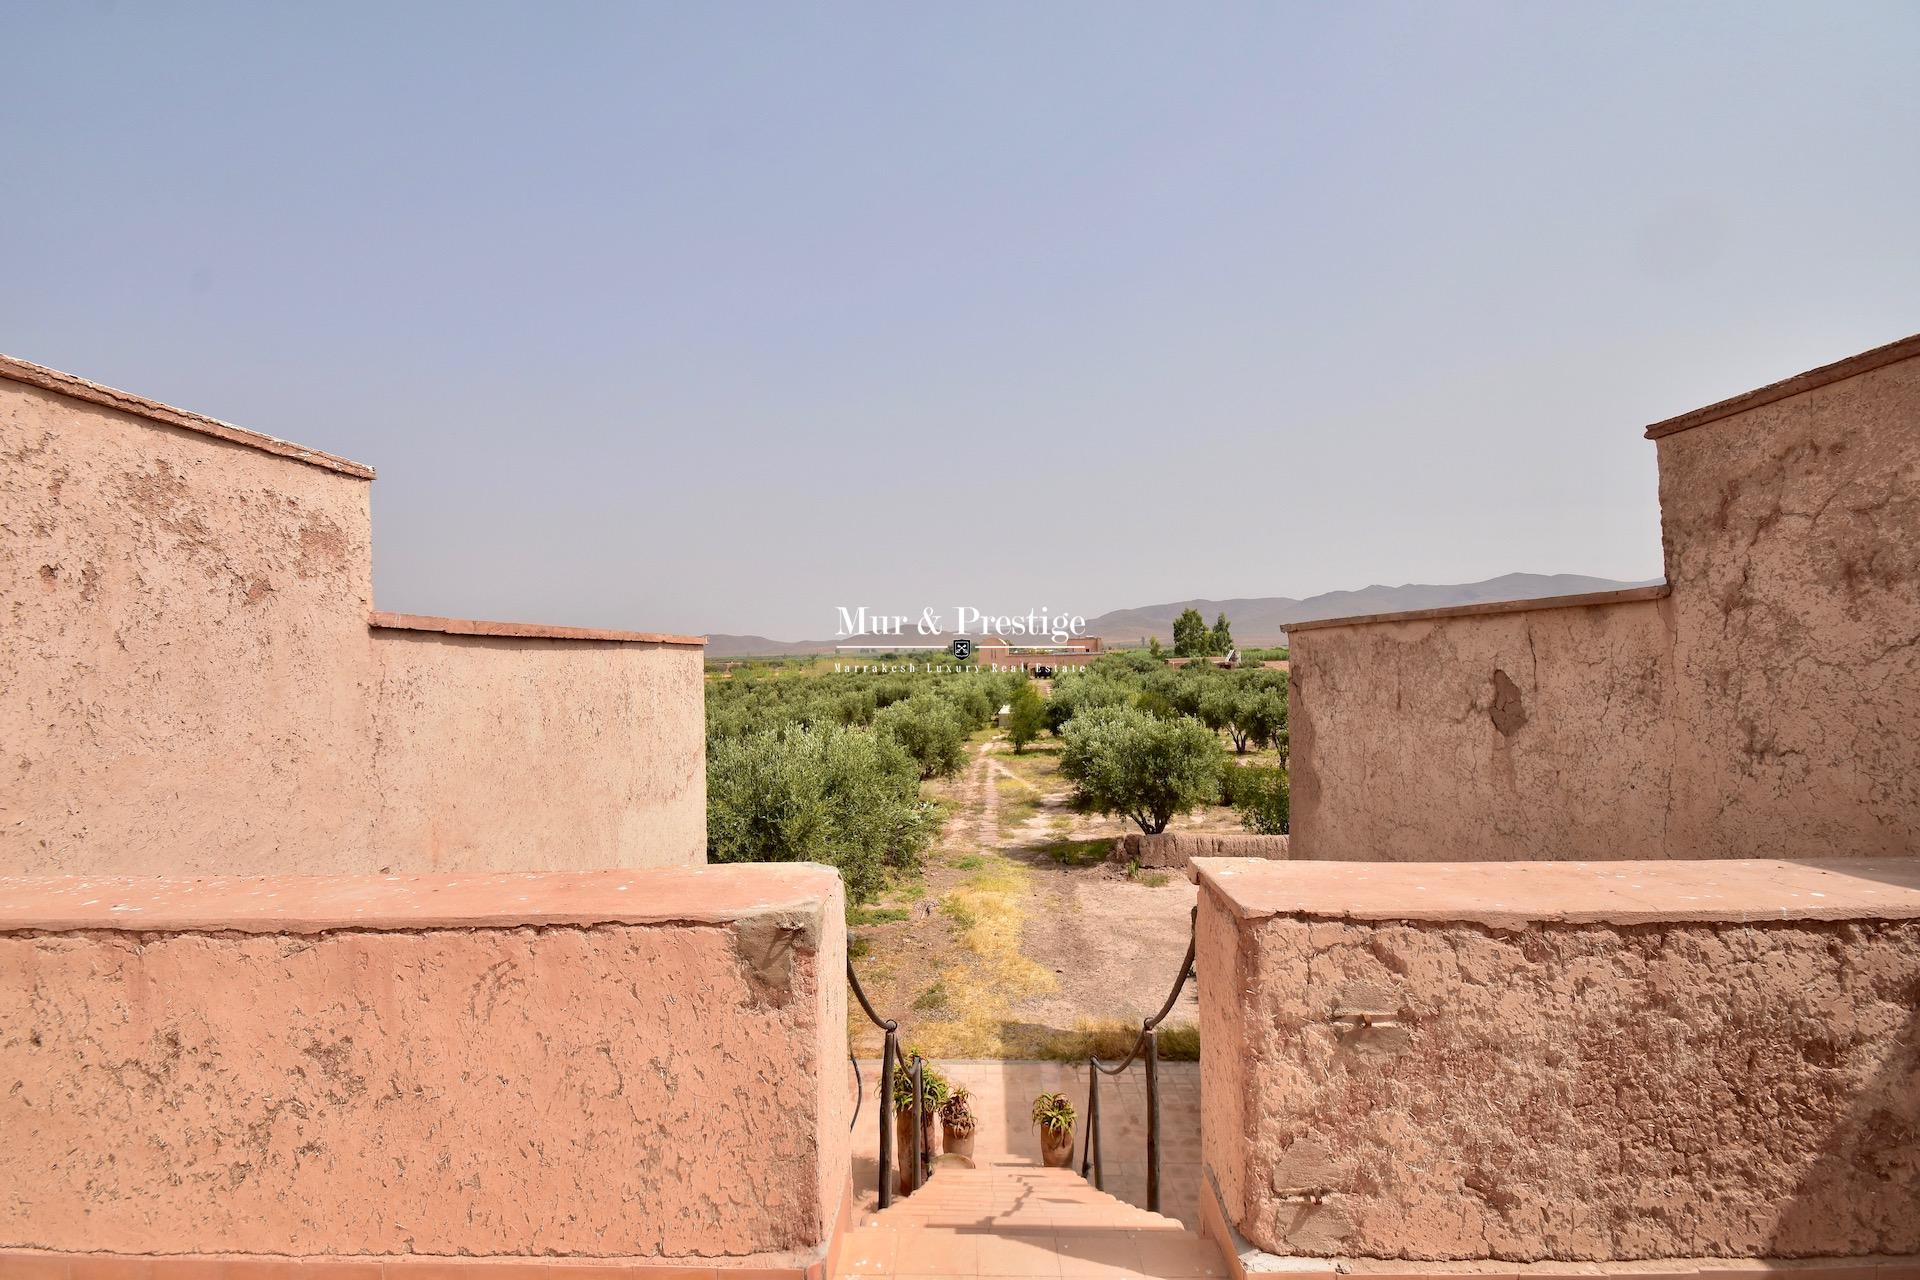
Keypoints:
pixel 1007 655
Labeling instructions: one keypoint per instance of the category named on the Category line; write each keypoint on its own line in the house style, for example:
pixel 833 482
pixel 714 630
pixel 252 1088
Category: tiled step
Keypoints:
pixel 1013 1219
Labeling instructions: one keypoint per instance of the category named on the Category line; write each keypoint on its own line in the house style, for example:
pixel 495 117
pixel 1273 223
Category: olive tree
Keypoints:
pixel 929 728
pixel 1026 716
pixel 1263 800
pixel 1260 717
pixel 1121 760
pixel 1075 694
pixel 821 793
pixel 1219 706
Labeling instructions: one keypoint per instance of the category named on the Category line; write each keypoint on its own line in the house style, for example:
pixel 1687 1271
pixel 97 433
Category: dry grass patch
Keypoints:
pixel 1039 764
pixel 1076 853
pixel 986 912
pixel 1019 801
pixel 1111 1039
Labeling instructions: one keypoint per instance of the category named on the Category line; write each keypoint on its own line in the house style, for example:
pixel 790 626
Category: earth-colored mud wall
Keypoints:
pixel 1769 705
pixel 1177 849
pixel 570 754
pixel 1559 1091
pixel 643 1065
pixel 1537 733
pixel 185 650
pixel 192 686
pixel 1792 533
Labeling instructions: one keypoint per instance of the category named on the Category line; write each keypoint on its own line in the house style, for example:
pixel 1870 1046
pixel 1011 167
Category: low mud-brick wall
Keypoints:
pixel 1559 1065
pixel 1179 848
pixel 639 1067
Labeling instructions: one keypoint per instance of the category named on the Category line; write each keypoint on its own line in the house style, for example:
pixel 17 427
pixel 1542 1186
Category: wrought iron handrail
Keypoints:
pixel 889 1057
pixel 1147 1045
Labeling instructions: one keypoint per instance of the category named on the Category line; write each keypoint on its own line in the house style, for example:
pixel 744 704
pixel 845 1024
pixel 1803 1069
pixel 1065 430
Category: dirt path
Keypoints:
pixel 1022 941
pixel 986 796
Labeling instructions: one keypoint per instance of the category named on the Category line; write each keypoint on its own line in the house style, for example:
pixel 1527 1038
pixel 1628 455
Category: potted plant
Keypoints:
pixel 957 1125
pixel 1055 1116
pixel 937 1092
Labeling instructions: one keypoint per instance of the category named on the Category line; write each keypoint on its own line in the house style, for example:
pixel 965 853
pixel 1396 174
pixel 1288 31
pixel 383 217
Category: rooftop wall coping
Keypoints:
pixel 522 630
pixel 76 388
pixel 1626 595
pixel 1513 894
pixel 410 903
pixel 1812 379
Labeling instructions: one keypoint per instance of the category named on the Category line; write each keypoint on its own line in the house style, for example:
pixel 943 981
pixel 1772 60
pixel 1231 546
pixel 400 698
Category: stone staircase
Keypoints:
pixel 1010 1217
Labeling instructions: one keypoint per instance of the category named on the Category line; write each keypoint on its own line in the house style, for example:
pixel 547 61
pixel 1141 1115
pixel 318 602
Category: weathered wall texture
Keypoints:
pixel 1179 848
pixel 569 753
pixel 1535 734
pixel 185 653
pixel 1769 706
pixel 1792 533
pixel 1553 1090
pixel 192 686
pixel 654 1069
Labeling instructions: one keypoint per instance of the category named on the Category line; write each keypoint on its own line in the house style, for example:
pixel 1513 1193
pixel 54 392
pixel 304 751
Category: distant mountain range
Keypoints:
pixel 1262 620
pixel 1257 620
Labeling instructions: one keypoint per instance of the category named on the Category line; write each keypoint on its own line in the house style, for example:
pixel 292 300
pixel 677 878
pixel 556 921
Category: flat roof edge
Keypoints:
pixel 76 388
pixel 523 630
pixel 413 902
pixel 1627 892
pixel 1813 379
pixel 1626 595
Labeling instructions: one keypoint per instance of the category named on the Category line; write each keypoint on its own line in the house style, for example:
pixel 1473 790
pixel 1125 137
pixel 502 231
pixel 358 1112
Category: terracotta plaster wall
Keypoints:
pixel 1542 733
pixel 1769 706
pixel 665 1083
pixel 185 660
pixel 547 754
pixel 1178 849
pixel 192 685
pixel 1561 1091
pixel 1792 535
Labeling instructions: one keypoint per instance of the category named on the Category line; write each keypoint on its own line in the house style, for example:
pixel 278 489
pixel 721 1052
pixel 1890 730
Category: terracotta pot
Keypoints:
pixel 911 1178
pixel 956 1144
pixel 1056 1147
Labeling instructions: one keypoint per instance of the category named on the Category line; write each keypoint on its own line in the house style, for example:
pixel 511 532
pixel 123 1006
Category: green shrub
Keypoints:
pixel 931 729
pixel 1156 704
pixel 1260 717
pixel 1124 761
pixel 1263 800
pixel 1127 663
pixel 1026 715
pixel 1075 694
pixel 826 794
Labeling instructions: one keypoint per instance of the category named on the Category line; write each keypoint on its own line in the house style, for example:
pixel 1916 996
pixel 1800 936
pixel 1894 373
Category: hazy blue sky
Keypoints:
pixel 717 316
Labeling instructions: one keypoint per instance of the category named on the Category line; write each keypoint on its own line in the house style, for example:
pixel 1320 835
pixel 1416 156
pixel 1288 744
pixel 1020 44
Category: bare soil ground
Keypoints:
pixel 1021 940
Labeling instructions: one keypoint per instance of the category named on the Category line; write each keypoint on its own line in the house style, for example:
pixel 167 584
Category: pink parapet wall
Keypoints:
pixel 1766 702
pixel 1656 1064
pixel 1791 523
pixel 196 682
pixel 1542 730
pixel 638 1066
pixel 518 746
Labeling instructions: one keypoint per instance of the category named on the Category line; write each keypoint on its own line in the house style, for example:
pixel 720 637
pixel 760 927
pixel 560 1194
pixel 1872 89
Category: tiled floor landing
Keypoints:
pixel 1012 1218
